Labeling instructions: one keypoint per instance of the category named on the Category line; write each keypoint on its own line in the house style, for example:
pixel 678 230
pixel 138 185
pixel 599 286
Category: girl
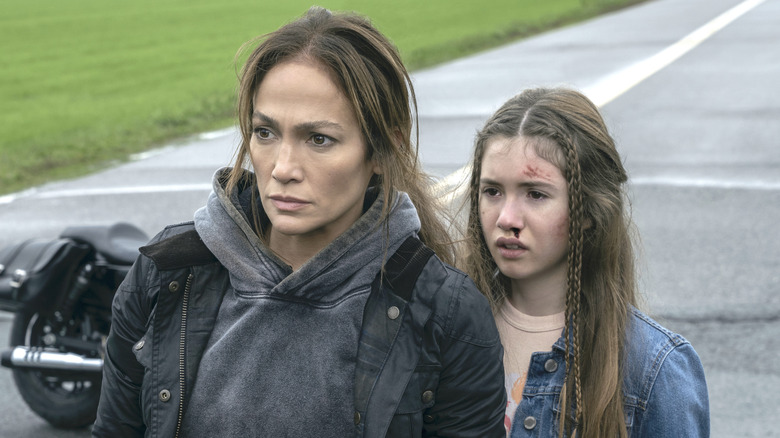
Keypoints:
pixel 269 316
pixel 549 244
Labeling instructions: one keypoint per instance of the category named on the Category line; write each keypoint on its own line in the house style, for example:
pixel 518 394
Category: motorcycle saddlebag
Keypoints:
pixel 36 270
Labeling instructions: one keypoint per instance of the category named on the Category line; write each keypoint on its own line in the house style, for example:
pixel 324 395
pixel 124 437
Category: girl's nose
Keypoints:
pixel 510 219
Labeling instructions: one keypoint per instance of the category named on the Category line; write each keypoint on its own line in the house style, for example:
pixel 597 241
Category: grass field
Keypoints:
pixel 85 83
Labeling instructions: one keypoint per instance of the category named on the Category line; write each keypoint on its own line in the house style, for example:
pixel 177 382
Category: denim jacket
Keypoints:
pixel 664 390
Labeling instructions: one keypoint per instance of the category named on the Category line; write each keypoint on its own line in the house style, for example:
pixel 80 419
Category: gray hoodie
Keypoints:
pixel 281 357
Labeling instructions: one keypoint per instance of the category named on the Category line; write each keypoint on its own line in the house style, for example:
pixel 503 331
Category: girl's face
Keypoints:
pixel 524 212
pixel 309 155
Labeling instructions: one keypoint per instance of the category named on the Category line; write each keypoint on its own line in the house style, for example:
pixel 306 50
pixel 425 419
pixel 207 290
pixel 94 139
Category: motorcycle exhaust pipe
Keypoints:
pixel 33 358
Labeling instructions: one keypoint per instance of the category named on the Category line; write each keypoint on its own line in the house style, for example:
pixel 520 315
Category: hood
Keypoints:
pixel 354 257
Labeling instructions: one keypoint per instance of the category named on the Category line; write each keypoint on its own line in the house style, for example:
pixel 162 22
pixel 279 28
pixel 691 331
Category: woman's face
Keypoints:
pixel 524 211
pixel 309 155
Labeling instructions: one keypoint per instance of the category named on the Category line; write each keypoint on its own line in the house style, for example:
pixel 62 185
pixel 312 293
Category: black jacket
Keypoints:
pixel 427 366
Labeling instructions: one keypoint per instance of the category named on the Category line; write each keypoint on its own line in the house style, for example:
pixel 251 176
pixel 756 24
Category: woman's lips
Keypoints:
pixel 287 203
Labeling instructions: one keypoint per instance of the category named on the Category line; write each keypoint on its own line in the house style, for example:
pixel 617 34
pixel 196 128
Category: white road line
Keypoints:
pixel 123 190
pixel 615 84
pixel 7 199
pixel 217 134
pixel 710 183
pixel 149 154
pixel 211 135
pixel 610 87
pixel 107 191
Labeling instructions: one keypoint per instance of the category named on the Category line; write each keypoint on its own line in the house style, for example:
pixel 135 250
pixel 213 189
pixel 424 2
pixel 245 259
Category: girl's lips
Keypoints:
pixel 511 253
pixel 510 243
pixel 284 203
pixel 510 248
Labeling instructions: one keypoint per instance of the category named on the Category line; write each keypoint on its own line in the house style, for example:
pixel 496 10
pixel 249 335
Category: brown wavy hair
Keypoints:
pixel 601 283
pixel 368 69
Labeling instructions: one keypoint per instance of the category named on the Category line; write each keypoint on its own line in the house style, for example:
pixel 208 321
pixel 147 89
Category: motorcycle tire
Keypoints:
pixel 65 400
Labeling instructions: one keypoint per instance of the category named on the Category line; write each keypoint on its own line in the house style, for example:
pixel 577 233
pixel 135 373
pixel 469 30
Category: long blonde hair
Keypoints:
pixel 601 283
pixel 368 69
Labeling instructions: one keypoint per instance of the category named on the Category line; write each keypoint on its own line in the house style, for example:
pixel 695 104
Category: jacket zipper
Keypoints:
pixel 182 336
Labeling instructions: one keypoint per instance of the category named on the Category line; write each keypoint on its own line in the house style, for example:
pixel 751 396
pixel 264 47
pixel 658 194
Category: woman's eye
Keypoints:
pixel 320 140
pixel 262 133
pixel 536 195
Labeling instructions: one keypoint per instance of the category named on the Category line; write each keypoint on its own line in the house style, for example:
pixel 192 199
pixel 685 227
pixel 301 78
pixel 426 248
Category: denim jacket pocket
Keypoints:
pixel 629 410
pixel 556 409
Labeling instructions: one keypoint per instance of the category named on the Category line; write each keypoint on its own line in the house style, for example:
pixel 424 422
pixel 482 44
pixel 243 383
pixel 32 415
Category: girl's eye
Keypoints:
pixel 536 195
pixel 490 191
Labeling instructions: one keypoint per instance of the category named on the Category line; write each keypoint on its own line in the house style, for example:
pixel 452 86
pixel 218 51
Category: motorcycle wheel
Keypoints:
pixel 65 400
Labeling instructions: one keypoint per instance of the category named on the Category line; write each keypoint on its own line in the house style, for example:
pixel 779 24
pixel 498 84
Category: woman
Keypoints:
pixel 266 317
pixel 549 244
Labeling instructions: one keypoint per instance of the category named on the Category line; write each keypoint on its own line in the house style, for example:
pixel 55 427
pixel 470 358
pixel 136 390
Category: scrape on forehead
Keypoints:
pixel 543 147
pixel 546 149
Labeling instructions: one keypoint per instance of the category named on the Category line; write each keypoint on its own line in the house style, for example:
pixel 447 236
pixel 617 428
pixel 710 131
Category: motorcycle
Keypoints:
pixel 60 292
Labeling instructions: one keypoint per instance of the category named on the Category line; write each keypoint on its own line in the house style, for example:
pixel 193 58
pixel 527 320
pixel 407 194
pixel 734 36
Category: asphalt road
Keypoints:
pixel 699 135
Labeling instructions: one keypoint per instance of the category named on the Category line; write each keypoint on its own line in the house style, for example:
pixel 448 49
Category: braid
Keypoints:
pixel 574 275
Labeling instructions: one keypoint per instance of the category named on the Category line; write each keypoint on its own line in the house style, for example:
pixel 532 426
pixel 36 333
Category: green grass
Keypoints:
pixel 84 83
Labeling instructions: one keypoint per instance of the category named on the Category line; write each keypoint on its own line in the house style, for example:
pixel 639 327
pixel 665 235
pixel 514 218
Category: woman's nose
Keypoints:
pixel 287 166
